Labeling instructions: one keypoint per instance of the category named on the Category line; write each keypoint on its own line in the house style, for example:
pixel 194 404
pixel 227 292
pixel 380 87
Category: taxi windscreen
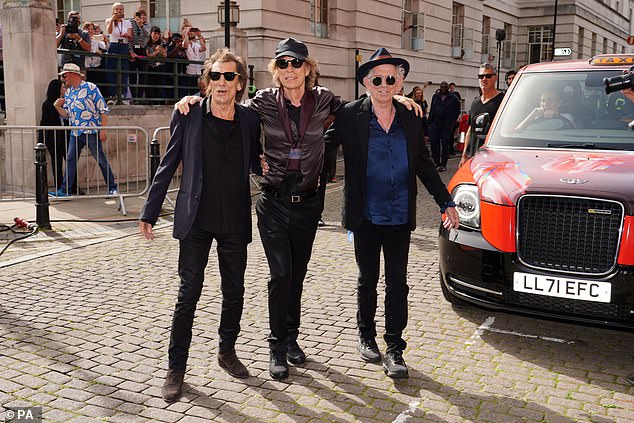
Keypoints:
pixel 565 110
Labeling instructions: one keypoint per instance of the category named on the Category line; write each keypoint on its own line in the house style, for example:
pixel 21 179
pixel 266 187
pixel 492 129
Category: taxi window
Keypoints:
pixel 565 109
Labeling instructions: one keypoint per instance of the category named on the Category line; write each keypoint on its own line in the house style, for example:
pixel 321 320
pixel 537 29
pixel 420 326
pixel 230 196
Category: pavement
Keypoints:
pixel 86 311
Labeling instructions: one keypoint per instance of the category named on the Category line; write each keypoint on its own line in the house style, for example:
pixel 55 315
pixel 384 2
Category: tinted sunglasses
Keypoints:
pixel 486 75
pixel 283 63
pixel 378 80
pixel 229 76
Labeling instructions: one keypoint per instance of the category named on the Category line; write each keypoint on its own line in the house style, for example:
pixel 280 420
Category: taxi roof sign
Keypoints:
pixel 612 60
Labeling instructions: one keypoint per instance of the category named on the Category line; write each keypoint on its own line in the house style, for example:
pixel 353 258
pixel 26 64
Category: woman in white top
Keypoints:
pixel 94 62
pixel 119 30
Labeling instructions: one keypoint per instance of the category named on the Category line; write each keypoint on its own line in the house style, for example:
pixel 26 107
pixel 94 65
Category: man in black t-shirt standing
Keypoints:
pixel 488 102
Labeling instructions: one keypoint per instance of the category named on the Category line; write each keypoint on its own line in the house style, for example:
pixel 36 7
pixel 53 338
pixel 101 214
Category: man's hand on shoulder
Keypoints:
pixel 410 104
pixel 183 104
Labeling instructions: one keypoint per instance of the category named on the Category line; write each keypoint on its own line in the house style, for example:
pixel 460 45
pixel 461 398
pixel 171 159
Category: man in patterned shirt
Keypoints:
pixel 84 105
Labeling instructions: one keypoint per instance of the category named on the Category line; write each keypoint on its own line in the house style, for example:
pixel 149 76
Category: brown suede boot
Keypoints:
pixel 230 362
pixel 172 385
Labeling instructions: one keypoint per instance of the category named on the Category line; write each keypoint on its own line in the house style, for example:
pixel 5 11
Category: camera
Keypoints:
pixel 72 26
pixel 138 14
pixel 619 82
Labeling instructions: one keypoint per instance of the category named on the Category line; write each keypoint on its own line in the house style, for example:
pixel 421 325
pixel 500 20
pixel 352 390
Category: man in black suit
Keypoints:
pixel 217 145
pixel 383 153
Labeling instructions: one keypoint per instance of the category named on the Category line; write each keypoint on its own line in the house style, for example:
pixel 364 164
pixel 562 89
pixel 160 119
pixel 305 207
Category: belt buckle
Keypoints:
pixel 296 198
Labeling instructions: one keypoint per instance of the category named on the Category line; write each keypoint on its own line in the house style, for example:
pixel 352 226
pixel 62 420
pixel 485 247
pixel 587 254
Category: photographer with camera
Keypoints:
pixel 71 37
pixel 119 31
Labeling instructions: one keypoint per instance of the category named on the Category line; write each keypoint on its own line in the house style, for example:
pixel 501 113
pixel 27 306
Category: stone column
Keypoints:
pixel 237 39
pixel 30 62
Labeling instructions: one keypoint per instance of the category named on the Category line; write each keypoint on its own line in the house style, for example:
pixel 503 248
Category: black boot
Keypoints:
pixel 278 367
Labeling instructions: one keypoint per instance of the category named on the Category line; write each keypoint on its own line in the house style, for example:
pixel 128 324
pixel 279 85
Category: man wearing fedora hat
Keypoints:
pixel 84 105
pixel 383 154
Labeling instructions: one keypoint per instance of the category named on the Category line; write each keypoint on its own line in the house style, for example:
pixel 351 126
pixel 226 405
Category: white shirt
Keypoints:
pixel 119 29
pixel 95 61
pixel 194 53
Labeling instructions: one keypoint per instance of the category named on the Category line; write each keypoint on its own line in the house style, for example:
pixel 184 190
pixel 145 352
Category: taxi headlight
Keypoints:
pixel 467 205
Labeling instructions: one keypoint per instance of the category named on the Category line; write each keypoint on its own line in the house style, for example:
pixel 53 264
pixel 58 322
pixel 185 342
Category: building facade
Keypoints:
pixel 442 39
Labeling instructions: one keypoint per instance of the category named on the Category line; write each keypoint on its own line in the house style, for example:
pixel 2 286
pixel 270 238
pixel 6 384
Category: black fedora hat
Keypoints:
pixel 381 57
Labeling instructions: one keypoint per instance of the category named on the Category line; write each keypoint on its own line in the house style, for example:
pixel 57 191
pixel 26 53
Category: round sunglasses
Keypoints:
pixel 283 63
pixel 378 80
pixel 229 76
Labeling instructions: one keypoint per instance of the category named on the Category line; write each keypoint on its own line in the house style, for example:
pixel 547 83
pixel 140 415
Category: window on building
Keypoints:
pixel 461 37
pixel 581 43
pixel 413 37
pixel 166 14
pixel 594 44
pixel 319 18
pixel 540 43
pixel 65 6
pixel 614 47
pixel 605 46
pixel 486 35
pixel 509 55
pixel 457 25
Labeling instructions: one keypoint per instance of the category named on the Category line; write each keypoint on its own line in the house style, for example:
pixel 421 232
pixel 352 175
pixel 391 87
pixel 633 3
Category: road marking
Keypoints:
pixel 486 326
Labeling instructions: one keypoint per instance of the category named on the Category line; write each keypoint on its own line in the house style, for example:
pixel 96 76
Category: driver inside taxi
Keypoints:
pixel 548 110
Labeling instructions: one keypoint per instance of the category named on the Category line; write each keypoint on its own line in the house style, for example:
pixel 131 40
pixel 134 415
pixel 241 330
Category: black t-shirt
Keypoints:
pixel 477 108
pixel 223 196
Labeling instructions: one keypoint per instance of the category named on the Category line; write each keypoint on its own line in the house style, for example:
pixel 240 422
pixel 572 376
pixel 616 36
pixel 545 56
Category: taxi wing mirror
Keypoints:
pixel 481 127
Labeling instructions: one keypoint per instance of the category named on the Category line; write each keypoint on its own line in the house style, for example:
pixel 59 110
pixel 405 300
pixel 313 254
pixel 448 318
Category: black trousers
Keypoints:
pixel 192 260
pixel 368 241
pixel 440 138
pixel 287 231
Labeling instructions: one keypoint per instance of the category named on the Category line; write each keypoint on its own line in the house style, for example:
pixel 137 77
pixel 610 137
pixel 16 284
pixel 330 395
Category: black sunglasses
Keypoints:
pixel 486 75
pixel 283 63
pixel 229 76
pixel 389 80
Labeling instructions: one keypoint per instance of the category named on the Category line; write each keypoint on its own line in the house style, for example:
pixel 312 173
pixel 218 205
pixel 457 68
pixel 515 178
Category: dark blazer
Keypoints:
pixel 186 146
pixel 352 130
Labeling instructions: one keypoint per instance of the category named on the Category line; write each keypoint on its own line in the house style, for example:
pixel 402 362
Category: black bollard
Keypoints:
pixel 155 158
pixel 42 216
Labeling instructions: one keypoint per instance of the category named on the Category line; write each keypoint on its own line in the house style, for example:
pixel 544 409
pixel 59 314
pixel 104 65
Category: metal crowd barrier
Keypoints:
pixel 126 149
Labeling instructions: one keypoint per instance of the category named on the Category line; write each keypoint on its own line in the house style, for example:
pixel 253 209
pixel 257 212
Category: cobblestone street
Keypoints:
pixel 85 331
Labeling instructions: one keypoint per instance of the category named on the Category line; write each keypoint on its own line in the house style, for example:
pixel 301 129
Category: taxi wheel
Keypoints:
pixel 448 295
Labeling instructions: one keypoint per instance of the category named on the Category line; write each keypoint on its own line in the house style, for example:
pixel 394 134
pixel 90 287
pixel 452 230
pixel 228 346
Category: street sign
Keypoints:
pixel 630 40
pixel 563 51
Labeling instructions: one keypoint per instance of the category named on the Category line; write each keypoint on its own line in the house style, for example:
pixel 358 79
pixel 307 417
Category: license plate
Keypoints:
pixel 562 287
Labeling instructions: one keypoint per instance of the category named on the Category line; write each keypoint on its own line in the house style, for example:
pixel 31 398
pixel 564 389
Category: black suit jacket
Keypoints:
pixel 352 130
pixel 186 146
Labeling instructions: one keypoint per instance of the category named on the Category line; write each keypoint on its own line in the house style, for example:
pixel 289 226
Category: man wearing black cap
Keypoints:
pixel 383 155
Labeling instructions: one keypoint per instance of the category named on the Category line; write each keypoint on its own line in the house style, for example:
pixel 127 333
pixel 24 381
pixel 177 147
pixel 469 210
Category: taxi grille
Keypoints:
pixel 569 306
pixel 568 234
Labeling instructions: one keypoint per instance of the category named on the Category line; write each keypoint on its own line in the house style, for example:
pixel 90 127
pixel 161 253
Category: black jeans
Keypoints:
pixel 368 241
pixel 287 231
pixel 440 139
pixel 192 260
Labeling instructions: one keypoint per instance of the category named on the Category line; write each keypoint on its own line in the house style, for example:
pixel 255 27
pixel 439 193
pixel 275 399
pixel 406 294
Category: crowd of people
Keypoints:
pixel 126 57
